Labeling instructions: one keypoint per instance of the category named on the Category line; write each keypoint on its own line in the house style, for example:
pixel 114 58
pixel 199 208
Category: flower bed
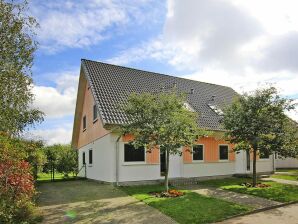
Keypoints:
pixel 258 185
pixel 169 194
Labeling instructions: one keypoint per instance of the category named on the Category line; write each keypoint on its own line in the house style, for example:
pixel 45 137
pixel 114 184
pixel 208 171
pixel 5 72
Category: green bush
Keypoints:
pixel 16 185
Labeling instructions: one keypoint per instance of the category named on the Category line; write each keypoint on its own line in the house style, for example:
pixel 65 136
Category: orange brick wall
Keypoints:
pixel 211 150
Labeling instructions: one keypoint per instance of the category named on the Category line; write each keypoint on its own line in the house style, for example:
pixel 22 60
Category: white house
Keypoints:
pixel 107 157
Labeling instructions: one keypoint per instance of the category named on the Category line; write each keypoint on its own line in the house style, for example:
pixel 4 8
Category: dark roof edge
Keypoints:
pixel 156 73
pixel 92 90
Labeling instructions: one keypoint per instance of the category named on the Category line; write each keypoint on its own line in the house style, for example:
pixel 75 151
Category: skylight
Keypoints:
pixel 188 107
pixel 216 109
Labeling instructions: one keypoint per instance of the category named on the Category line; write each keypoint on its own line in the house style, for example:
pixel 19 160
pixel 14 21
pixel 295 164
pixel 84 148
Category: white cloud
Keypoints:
pixel 241 44
pixel 52 136
pixel 58 101
pixel 77 24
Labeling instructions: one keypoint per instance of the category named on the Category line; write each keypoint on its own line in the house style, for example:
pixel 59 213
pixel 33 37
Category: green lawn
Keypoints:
pixel 285 177
pixel 294 171
pixel 58 176
pixel 278 192
pixel 190 208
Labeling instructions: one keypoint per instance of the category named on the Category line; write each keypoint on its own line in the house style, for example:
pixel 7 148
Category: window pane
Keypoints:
pixel 264 155
pixel 133 155
pixel 223 152
pixel 94 112
pixel 90 157
pixel 84 161
pixel 197 152
pixel 84 122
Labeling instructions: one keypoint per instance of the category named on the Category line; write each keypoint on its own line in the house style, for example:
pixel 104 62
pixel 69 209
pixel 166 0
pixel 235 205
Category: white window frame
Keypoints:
pixel 199 161
pixel 223 160
pixel 133 162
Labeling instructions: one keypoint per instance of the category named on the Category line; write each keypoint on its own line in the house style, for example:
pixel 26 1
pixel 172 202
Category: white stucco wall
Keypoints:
pixel 263 165
pixel 201 169
pixel 103 166
pixel 286 163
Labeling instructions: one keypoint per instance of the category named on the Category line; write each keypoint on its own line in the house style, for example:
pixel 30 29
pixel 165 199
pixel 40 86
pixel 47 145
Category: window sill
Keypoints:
pixel 90 165
pixel 198 161
pixel 95 120
pixel 267 159
pixel 133 163
pixel 223 160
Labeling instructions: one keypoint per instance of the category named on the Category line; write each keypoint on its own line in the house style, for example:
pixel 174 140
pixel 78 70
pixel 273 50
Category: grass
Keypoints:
pixel 285 177
pixel 293 171
pixel 44 177
pixel 277 191
pixel 190 208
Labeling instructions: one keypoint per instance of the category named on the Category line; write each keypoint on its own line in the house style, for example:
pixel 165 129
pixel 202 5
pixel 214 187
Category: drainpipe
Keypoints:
pixel 117 160
pixel 273 161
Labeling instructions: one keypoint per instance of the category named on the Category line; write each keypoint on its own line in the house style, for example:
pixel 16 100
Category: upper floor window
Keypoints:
pixel 94 112
pixel 223 152
pixel 131 154
pixel 198 153
pixel 84 123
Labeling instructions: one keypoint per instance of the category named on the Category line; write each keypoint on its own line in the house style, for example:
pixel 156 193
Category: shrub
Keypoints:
pixel 16 185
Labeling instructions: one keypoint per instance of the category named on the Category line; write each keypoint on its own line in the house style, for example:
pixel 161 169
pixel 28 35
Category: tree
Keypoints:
pixel 61 157
pixel 161 120
pixel 17 47
pixel 257 122
pixel 67 161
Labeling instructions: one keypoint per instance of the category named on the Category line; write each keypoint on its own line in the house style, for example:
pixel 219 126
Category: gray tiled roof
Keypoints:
pixel 111 85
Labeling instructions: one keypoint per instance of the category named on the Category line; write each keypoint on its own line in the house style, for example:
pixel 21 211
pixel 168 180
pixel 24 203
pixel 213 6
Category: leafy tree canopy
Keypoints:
pixel 161 120
pixel 17 47
pixel 258 122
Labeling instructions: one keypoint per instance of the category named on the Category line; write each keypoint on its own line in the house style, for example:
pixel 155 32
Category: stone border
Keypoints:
pixel 259 210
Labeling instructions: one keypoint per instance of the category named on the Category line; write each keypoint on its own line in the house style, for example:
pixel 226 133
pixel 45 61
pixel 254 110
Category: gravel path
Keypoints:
pixel 90 202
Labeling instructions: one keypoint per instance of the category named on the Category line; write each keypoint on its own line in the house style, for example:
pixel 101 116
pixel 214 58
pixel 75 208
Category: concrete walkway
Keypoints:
pixel 287 214
pixel 91 202
pixel 282 181
pixel 239 198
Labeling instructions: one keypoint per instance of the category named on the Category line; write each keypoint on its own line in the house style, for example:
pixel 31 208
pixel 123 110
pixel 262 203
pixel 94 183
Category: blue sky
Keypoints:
pixel 244 45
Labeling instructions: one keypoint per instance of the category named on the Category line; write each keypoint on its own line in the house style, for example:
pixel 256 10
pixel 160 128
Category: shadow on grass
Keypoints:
pixel 276 191
pixel 190 208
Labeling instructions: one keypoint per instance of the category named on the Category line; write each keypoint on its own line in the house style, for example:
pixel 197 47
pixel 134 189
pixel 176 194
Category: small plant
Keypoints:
pixel 258 185
pixel 168 194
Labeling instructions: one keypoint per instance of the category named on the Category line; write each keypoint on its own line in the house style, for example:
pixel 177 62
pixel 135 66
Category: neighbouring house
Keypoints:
pixel 286 162
pixel 105 156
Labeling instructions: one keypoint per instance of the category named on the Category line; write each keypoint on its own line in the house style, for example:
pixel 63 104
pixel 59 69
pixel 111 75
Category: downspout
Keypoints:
pixel 117 161
pixel 273 161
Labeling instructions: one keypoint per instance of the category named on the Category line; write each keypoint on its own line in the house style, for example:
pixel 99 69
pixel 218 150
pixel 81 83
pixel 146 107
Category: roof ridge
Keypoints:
pixel 156 73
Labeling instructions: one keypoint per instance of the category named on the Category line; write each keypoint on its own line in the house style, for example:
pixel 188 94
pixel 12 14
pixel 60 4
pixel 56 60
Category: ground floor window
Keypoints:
pixel 264 155
pixel 131 154
pixel 223 152
pixel 198 153
pixel 84 158
pixel 90 156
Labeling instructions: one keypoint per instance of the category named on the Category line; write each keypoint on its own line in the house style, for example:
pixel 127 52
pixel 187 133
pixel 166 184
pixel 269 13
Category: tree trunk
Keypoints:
pixel 254 172
pixel 167 170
